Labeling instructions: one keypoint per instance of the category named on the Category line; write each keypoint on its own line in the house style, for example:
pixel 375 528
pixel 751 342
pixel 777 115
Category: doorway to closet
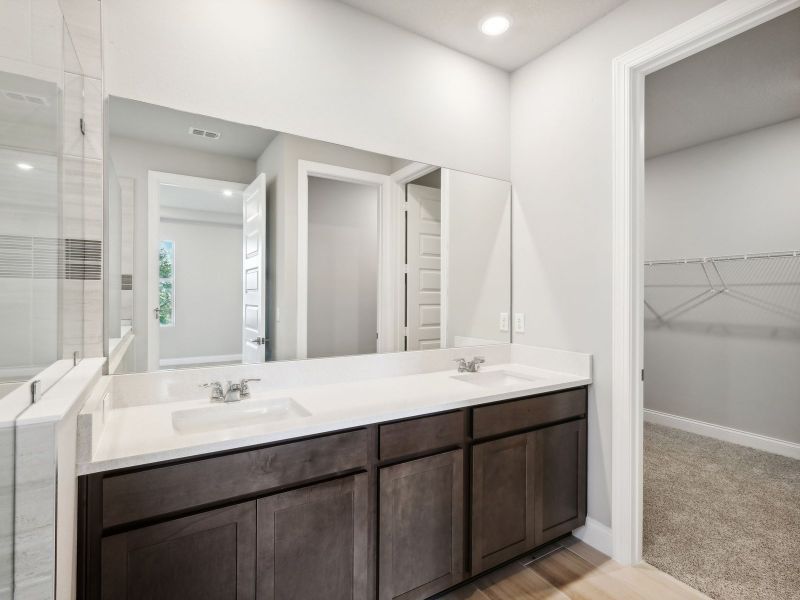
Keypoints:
pixel 721 348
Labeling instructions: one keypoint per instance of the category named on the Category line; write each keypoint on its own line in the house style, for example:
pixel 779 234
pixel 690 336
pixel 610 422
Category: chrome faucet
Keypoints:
pixel 233 393
pixel 470 366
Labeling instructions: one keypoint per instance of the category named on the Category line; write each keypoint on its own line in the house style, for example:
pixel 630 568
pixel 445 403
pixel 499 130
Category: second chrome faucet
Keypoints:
pixel 233 393
pixel 469 366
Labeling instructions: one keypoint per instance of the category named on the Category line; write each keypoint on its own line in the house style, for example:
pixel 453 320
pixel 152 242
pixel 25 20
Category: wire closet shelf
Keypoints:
pixel 745 292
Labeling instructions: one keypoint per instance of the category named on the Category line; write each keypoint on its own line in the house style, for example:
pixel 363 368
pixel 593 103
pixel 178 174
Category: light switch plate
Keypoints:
pixel 503 321
pixel 519 322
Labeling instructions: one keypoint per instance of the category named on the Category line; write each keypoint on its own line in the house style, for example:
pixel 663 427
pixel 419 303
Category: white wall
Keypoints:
pixel 279 163
pixel 561 172
pixel 208 290
pixel 133 158
pixel 733 196
pixel 342 268
pixel 314 68
pixel 479 256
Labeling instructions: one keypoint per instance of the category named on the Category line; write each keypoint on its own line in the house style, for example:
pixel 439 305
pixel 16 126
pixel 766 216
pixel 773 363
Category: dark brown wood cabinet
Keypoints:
pixel 313 542
pixel 503 499
pixel 421 520
pixel 425 502
pixel 211 555
pixel 560 487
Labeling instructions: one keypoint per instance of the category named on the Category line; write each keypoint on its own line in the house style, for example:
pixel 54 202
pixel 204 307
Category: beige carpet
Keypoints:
pixel 722 518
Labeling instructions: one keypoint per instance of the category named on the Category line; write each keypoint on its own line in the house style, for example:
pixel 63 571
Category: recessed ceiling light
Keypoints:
pixel 24 166
pixel 495 25
pixel 227 193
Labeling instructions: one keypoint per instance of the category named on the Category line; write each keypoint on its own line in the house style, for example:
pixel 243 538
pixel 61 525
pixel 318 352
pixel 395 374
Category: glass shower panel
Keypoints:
pixel 33 257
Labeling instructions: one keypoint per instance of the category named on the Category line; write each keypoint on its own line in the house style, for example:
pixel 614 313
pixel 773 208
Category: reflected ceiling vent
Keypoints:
pixel 23 97
pixel 212 135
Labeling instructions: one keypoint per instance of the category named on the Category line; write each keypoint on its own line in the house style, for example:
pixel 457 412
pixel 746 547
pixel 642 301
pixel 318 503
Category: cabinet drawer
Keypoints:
pixel 419 435
pixel 163 490
pixel 528 412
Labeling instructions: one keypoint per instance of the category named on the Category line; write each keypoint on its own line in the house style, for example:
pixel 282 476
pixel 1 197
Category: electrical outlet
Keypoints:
pixel 503 321
pixel 519 322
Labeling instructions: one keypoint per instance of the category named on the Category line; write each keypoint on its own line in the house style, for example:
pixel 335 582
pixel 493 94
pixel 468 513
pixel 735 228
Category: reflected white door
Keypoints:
pixel 254 264
pixel 423 267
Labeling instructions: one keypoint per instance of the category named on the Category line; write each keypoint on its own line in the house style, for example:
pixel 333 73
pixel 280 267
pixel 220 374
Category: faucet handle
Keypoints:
pixel 244 387
pixel 462 364
pixel 217 393
pixel 478 360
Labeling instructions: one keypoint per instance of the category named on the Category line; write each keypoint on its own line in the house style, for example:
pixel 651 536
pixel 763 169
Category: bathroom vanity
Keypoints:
pixel 390 508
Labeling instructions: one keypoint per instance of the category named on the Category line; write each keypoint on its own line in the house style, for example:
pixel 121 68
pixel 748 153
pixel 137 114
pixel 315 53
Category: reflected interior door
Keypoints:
pixel 254 263
pixel 423 267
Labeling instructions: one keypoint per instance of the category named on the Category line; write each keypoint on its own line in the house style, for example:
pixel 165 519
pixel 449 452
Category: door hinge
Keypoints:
pixel 83 126
pixel 642 374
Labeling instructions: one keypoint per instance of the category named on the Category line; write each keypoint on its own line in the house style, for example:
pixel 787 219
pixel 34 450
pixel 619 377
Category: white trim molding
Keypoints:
pixel 726 434
pixel 596 535
pixel 386 244
pixel 628 75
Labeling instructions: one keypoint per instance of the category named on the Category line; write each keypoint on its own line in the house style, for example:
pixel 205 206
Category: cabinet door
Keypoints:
pixel 503 484
pixel 209 555
pixel 421 536
pixel 560 479
pixel 313 542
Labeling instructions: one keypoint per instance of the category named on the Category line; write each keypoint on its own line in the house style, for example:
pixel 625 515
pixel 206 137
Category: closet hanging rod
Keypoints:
pixel 707 259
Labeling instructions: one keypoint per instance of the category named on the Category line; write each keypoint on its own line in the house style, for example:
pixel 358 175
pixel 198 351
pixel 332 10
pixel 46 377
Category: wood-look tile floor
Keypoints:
pixel 572 570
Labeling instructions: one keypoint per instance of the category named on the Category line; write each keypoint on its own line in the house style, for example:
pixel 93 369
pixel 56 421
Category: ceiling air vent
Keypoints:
pixel 212 135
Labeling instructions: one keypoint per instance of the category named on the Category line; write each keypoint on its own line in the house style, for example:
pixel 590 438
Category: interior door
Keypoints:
pixel 423 267
pixel 254 267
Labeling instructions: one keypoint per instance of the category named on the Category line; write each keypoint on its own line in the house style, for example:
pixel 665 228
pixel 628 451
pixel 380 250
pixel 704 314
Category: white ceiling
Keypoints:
pixel 537 25
pixel 148 122
pixel 749 81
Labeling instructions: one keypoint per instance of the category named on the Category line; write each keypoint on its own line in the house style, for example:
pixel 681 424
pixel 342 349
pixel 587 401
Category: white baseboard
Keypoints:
pixel 200 360
pixel 595 534
pixel 726 434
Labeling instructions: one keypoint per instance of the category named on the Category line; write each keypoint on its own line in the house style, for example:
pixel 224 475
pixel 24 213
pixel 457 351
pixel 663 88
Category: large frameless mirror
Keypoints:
pixel 229 243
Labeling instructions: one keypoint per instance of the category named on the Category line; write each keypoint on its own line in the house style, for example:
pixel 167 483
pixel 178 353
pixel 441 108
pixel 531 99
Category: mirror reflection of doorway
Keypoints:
pixel 343 233
pixel 198 264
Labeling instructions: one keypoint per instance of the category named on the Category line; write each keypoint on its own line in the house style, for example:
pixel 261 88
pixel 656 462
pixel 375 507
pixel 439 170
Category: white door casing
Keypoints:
pixel 254 272
pixel 423 267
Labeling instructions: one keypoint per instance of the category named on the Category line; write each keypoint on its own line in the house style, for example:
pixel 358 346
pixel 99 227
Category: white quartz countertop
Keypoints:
pixel 144 434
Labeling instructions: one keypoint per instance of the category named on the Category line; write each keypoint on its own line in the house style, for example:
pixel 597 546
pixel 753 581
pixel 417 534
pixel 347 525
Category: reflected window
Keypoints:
pixel 166 283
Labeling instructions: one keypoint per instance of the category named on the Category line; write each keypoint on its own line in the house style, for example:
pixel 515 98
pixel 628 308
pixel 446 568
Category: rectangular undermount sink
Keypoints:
pixel 236 414
pixel 497 379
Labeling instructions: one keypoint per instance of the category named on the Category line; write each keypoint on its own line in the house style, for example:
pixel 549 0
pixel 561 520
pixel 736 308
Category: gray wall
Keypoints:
pixel 561 170
pixel 733 196
pixel 133 158
pixel 208 290
pixel 342 268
